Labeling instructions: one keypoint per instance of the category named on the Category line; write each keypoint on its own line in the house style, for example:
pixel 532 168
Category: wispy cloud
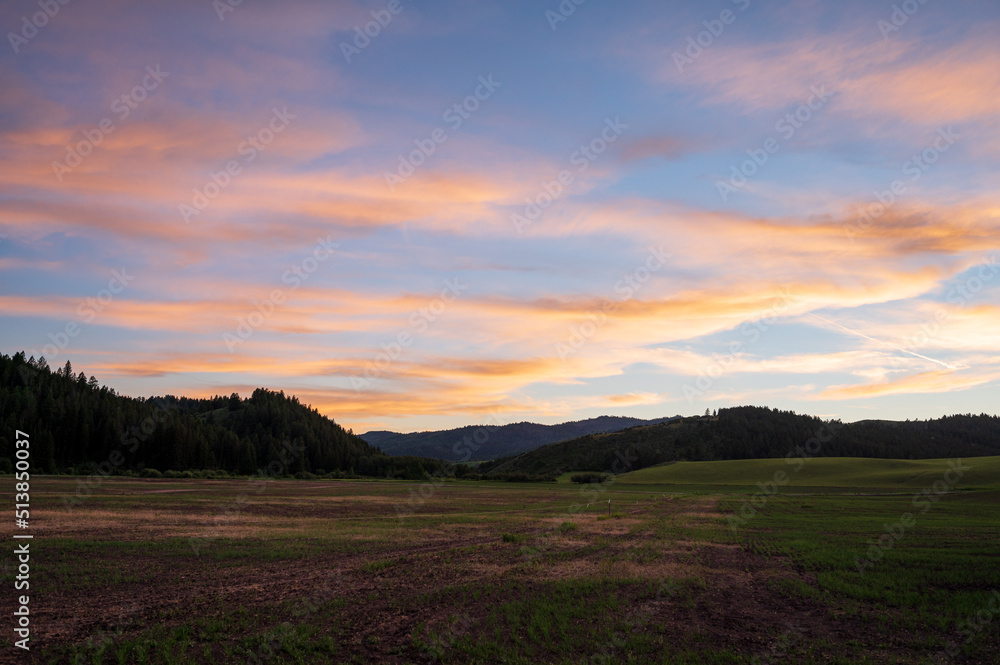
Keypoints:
pixel 892 309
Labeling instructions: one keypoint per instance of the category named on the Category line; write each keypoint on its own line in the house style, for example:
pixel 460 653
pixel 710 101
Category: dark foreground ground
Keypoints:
pixel 389 572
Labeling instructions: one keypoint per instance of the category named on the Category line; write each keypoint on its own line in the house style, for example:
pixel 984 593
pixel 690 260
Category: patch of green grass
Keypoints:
pixel 842 474
pixel 376 566
pixel 929 578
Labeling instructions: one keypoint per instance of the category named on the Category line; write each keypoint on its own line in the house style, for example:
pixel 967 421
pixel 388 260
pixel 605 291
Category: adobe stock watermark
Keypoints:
pixel 960 296
pixel 363 35
pixel 624 461
pixel 786 128
pixel 914 167
pixel 458 627
pixel 294 277
pixel 37 21
pixel 87 311
pixel 419 321
pixel 752 330
pixel 565 9
pixel 122 107
pixel 229 512
pixel 455 116
pixel 924 500
pixel 467 447
pixel 714 28
pixel 616 649
pixel 249 150
pixel 223 7
pixel 273 640
pixel 900 15
pixel 797 459
pixel 627 287
pixel 965 292
pixel 970 628
pixel 778 650
pixel 581 158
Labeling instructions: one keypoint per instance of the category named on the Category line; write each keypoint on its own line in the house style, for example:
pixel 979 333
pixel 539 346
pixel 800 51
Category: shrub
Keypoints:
pixel 520 477
pixel 150 473
pixel 178 474
pixel 589 477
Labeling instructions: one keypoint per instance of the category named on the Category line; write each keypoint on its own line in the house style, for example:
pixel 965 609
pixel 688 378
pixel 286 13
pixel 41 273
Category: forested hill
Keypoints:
pixel 756 433
pixel 488 442
pixel 73 423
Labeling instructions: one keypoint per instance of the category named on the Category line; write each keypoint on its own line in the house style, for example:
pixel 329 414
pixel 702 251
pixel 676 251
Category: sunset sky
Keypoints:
pixel 504 211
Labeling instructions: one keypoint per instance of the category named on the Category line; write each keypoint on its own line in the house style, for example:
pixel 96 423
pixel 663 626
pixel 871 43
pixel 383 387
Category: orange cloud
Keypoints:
pixel 938 381
pixel 901 79
pixel 631 399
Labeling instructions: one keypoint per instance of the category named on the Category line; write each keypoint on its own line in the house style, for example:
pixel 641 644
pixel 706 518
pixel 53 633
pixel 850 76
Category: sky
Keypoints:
pixel 418 215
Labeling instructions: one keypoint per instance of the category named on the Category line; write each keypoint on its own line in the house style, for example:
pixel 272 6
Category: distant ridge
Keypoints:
pixel 456 445
pixel 749 432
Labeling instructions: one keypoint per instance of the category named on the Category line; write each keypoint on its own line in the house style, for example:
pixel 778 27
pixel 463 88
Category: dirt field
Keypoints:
pixel 390 572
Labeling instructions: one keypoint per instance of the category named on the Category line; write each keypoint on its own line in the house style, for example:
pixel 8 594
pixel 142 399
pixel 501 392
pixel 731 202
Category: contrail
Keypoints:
pixel 878 341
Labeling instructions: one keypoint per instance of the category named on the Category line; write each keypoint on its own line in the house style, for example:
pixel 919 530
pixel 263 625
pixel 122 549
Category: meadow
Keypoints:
pixel 713 569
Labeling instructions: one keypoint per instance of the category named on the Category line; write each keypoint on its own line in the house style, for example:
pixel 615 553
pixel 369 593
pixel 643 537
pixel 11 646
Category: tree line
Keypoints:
pixel 751 432
pixel 75 423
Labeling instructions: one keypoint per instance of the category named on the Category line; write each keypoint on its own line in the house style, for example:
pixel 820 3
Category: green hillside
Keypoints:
pixel 749 432
pixel 842 472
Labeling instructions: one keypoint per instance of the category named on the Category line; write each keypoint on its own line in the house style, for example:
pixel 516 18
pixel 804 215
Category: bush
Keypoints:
pixel 150 473
pixel 520 477
pixel 178 474
pixel 589 477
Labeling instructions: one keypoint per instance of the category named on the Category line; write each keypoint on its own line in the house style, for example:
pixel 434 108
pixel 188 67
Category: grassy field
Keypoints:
pixel 173 571
pixel 848 474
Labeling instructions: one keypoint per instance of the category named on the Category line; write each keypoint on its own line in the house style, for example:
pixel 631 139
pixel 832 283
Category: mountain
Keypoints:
pixel 757 433
pixel 76 425
pixel 492 441
pixel 73 424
